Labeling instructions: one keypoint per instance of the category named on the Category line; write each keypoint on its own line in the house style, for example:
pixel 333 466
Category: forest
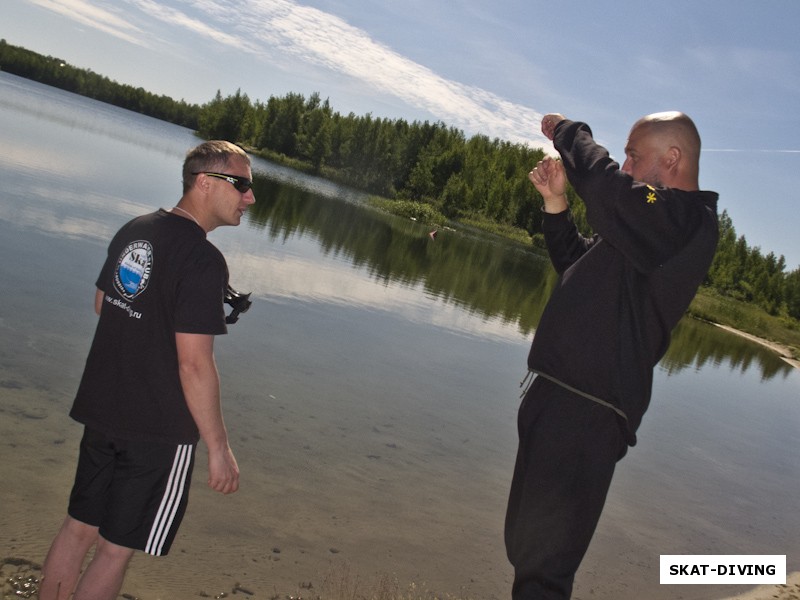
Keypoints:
pixel 431 166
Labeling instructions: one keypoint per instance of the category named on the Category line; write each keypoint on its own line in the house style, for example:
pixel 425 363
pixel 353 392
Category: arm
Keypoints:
pixel 565 245
pixel 98 300
pixel 200 381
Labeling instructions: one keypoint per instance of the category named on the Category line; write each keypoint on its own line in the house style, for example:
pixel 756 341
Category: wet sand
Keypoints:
pixel 283 546
pixel 788 591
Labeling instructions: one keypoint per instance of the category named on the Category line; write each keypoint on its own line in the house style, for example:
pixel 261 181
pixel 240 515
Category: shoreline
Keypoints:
pixel 781 350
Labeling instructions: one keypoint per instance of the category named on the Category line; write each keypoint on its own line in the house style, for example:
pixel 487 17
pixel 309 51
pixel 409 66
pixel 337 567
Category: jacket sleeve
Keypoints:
pixel 648 225
pixel 565 244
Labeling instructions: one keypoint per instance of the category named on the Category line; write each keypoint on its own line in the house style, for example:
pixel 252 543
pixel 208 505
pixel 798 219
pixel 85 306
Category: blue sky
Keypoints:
pixel 485 67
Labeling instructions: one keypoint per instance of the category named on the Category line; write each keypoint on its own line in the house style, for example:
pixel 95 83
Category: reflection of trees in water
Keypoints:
pixel 484 276
pixel 696 344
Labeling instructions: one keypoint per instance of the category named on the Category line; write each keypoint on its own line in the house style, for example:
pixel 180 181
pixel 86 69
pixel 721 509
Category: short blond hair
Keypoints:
pixel 213 155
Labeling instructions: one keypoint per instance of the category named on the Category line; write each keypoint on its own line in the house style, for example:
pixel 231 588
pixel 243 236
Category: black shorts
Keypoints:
pixel 135 492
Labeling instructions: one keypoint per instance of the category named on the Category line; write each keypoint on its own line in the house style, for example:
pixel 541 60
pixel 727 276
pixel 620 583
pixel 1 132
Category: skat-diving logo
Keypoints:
pixel 133 269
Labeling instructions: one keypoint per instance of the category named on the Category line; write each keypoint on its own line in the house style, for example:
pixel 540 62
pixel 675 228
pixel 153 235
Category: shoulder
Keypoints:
pixel 650 194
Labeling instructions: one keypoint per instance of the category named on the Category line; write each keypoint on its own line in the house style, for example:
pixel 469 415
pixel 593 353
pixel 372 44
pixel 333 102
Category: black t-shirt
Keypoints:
pixel 161 277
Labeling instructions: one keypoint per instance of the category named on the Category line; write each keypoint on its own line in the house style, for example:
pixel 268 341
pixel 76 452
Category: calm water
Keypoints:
pixel 371 391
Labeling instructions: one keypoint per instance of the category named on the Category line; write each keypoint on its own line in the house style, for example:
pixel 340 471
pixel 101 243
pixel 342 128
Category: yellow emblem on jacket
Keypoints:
pixel 651 195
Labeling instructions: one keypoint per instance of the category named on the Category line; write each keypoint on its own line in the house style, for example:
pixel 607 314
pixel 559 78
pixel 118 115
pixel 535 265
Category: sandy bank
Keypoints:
pixel 783 351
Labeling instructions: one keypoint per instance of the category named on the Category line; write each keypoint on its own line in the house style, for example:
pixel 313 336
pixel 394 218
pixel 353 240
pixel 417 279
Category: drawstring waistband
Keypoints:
pixel 529 377
pixel 526 381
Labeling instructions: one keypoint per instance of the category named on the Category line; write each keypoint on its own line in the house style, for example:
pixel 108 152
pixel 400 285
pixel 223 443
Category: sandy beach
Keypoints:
pixel 20 579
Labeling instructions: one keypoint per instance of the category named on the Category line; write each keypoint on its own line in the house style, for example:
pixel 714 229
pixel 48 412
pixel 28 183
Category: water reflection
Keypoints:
pixel 696 344
pixel 488 279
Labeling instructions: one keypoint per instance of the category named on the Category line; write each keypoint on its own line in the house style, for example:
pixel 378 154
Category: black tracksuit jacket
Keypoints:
pixel 622 291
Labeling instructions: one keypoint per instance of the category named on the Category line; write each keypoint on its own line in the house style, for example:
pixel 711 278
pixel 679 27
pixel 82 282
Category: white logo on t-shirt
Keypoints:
pixel 133 269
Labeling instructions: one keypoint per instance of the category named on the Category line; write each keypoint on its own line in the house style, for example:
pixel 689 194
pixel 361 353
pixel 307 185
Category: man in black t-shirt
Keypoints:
pixel 150 388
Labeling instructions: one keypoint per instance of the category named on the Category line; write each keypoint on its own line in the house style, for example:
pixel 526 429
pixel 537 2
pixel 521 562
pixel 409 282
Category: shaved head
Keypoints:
pixel 674 128
pixel 672 144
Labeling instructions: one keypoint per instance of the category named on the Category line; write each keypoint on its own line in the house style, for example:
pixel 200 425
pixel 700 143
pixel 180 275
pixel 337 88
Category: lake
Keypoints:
pixel 370 392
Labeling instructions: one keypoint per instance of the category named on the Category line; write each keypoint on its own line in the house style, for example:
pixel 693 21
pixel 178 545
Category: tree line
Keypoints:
pixel 476 179
pixel 58 73
pixel 430 163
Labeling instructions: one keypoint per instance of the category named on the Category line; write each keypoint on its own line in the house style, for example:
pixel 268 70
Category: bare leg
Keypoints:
pixel 62 567
pixel 104 575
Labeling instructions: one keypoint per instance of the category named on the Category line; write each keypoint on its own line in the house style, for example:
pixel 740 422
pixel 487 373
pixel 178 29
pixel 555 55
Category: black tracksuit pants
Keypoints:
pixel 568 448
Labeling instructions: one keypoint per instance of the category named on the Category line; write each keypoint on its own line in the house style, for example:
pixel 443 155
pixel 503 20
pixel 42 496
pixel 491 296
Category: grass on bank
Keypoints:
pixel 409 209
pixel 710 306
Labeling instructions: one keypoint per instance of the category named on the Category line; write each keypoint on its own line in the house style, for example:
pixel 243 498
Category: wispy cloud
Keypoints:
pixel 285 31
pixel 86 13
pixel 325 40
pixel 177 18
pixel 744 63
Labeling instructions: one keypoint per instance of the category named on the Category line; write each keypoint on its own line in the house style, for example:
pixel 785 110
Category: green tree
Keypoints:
pixel 58 73
pixel 314 137
pixel 792 294
pixel 283 123
pixel 224 118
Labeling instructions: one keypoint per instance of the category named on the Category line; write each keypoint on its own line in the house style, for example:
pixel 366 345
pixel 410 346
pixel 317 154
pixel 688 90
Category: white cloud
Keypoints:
pixel 282 31
pixel 328 41
pixel 87 14
pixel 176 18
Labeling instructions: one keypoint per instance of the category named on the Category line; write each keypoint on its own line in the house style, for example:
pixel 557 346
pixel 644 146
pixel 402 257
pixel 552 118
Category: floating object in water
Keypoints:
pixel 433 234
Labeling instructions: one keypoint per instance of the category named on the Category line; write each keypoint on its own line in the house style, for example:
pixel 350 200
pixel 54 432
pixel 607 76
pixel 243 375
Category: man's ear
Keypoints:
pixel 672 158
pixel 202 182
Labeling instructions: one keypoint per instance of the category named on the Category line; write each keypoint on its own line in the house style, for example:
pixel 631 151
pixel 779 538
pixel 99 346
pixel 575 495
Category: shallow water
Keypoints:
pixel 370 392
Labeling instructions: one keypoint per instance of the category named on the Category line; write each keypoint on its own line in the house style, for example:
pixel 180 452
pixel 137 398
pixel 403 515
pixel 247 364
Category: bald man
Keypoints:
pixel 608 322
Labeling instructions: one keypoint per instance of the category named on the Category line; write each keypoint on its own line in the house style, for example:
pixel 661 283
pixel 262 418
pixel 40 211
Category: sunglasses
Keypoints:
pixel 242 184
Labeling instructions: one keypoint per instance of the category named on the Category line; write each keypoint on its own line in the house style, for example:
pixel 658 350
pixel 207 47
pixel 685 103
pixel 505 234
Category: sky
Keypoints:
pixel 492 68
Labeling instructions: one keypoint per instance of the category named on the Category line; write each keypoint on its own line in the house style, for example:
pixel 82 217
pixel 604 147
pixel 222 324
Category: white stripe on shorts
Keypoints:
pixel 171 500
